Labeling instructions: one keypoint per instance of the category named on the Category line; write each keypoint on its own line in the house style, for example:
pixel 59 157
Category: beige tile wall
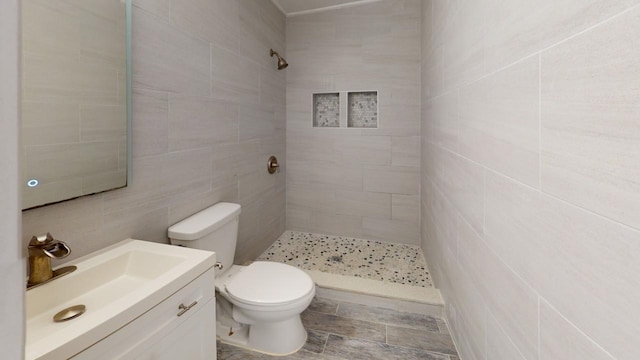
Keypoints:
pixel 530 158
pixel 355 182
pixel 208 110
pixel 12 258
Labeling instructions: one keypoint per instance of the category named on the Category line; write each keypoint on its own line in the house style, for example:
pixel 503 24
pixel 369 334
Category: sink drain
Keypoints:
pixel 69 313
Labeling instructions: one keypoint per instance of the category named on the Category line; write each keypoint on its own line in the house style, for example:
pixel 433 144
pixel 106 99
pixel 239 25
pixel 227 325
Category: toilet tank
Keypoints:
pixel 213 229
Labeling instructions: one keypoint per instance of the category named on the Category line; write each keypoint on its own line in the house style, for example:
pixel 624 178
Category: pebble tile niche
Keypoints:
pixel 375 260
pixel 326 110
pixel 362 109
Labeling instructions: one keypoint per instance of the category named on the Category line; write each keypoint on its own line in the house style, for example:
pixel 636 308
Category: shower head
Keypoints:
pixel 282 63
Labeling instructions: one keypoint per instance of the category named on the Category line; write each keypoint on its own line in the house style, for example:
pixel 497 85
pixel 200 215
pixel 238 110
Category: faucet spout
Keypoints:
pixel 42 249
pixel 57 250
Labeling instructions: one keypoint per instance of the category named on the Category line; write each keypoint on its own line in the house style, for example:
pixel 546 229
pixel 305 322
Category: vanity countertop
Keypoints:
pixel 116 285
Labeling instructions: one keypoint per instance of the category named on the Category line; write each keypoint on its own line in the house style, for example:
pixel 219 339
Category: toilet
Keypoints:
pixel 257 306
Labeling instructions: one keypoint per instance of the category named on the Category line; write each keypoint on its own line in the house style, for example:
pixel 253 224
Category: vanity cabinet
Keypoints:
pixel 182 326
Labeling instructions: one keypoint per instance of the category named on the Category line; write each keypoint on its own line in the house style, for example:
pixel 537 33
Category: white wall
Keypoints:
pixel 530 159
pixel 355 182
pixel 208 110
pixel 12 267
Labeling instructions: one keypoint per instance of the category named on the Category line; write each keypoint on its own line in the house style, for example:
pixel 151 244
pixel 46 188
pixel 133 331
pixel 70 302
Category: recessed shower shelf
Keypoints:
pixel 326 110
pixel 362 110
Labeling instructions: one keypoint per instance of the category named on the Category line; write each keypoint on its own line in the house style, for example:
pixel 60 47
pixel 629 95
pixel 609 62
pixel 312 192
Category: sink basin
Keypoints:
pixel 116 285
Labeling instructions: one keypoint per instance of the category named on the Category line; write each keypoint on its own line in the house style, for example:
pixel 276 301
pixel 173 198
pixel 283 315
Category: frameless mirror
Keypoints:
pixel 75 98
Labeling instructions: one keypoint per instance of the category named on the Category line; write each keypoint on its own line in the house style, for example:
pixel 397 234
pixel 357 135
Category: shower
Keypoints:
pixel 282 63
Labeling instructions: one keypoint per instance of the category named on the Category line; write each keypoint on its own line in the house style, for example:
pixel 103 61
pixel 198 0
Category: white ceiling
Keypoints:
pixel 299 7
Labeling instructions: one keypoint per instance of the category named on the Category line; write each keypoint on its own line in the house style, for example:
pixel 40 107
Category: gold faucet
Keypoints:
pixel 41 250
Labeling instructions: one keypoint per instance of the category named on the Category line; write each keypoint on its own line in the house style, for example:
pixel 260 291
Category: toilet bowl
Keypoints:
pixel 259 305
pixel 268 297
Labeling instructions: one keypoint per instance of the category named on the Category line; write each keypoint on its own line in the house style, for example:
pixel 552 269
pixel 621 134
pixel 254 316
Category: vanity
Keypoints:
pixel 134 299
pixel 142 300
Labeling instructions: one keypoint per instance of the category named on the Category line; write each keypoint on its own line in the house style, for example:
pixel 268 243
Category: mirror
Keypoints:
pixel 76 102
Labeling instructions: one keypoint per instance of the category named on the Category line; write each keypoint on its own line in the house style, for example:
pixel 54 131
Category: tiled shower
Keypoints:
pixel 359 178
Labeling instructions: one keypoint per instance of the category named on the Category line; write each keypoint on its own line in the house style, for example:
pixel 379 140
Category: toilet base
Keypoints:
pixel 274 338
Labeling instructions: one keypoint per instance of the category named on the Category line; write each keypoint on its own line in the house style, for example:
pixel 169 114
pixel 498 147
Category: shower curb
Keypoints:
pixel 394 296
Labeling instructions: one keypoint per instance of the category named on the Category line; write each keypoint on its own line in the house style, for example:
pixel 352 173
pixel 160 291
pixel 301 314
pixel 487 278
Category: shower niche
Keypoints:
pixel 326 110
pixel 360 110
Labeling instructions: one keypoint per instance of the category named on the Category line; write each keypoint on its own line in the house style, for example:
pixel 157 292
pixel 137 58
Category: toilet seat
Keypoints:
pixel 266 283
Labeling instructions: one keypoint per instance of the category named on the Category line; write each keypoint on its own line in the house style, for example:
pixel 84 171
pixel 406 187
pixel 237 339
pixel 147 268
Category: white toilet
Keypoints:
pixel 259 305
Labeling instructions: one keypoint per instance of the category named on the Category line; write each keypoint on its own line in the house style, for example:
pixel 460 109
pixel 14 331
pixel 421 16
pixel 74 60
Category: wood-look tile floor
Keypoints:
pixel 341 330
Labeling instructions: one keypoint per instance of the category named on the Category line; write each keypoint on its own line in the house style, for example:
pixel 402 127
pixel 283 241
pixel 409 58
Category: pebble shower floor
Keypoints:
pixel 376 260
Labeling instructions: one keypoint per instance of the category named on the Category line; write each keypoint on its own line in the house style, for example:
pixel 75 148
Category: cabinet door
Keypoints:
pixel 194 339
pixel 159 324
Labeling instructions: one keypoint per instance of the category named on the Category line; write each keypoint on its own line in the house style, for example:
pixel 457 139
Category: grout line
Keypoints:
pixel 502 262
pixel 211 94
pixel 539 326
pixel 431 22
pixel 532 188
pixel 384 343
pixel 386 334
pixel 575 327
pixel 453 338
pixel 504 333
pixel 535 53
pixel 329 8
pixel 484 201
pixel 279 7
pixel 540 122
pixel 589 28
pixel 486 332
pixel 326 341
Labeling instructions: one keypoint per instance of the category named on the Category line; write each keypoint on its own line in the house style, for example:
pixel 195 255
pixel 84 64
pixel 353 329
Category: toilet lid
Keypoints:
pixel 269 283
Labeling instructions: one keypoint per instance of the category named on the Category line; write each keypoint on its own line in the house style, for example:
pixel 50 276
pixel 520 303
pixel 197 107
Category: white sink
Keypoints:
pixel 116 284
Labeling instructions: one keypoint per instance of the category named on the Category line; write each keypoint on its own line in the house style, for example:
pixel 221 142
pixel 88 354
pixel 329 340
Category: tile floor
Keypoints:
pixel 394 263
pixel 342 330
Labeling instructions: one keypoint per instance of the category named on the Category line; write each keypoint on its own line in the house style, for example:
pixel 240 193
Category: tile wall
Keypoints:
pixel 530 158
pixel 362 183
pixel 208 110
pixel 12 264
